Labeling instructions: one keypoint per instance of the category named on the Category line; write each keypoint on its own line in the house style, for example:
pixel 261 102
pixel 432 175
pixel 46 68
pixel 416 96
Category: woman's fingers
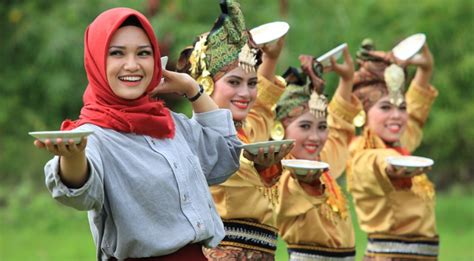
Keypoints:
pixel 39 144
pixel 62 147
pixel 249 156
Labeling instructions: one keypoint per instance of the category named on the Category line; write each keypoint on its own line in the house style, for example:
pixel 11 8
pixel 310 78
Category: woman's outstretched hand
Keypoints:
pixel 404 173
pixel 265 160
pixel 73 167
pixel 62 148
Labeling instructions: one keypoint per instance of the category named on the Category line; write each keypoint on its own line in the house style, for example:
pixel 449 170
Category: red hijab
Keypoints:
pixel 101 106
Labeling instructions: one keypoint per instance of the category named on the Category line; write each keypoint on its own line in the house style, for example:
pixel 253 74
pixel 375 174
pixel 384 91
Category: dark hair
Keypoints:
pixel 133 21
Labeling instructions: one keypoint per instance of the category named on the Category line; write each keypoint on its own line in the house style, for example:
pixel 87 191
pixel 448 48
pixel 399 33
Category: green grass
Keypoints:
pixel 40 229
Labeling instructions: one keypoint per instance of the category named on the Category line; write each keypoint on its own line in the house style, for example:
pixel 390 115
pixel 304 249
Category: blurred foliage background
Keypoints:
pixel 42 78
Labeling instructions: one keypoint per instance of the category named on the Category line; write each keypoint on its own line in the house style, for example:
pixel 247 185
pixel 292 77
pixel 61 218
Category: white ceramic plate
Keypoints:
pixel 409 46
pixel 164 61
pixel 336 53
pixel 409 162
pixel 304 167
pixel 269 32
pixel 253 147
pixel 65 135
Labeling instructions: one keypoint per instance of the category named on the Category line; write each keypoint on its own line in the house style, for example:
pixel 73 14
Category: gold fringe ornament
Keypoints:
pixel 359 119
pixel 318 104
pixel 278 131
pixel 395 78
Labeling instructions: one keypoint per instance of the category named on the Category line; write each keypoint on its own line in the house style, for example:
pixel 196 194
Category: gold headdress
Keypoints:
pixel 225 47
pixel 375 78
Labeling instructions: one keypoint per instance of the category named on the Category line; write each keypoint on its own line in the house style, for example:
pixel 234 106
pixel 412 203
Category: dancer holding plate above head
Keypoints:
pixel 312 215
pixel 143 174
pixel 394 206
pixel 227 63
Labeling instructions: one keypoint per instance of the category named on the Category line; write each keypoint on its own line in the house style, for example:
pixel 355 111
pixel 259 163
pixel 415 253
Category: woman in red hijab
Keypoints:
pixel 143 174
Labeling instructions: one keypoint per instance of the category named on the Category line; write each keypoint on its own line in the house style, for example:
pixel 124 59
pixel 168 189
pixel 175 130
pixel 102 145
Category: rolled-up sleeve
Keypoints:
pixel 89 196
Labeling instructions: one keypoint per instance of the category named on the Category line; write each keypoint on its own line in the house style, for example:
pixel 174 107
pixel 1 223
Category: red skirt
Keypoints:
pixel 189 252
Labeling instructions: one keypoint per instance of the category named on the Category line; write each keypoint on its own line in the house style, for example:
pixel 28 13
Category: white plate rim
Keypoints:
pixel 285 27
pixel 427 161
pixel 400 54
pixel 324 59
pixel 266 144
pixel 164 61
pixel 53 135
pixel 80 132
pixel 288 163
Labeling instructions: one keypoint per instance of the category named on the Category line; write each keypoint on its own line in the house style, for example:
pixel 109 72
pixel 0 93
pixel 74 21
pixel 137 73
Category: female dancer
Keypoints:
pixel 227 63
pixel 395 208
pixel 312 214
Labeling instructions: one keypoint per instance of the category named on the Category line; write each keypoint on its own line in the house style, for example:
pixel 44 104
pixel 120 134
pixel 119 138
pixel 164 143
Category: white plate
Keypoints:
pixel 409 46
pixel 409 162
pixel 253 147
pixel 164 61
pixel 304 167
pixel 65 135
pixel 336 53
pixel 269 32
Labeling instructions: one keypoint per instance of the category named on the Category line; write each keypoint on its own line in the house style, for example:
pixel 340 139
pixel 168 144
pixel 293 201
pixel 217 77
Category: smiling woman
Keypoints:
pixel 402 226
pixel 312 214
pixel 137 146
pixel 240 77
pixel 130 62
pixel 236 91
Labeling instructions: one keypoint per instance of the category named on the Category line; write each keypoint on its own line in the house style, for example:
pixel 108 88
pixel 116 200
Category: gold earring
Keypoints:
pixel 359 119
pixel 207 83
pixel 278 131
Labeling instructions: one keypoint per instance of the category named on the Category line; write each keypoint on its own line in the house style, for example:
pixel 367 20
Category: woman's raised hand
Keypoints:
pixel 346 69
pixel 273 50
pixel 306 62
pixel 174 82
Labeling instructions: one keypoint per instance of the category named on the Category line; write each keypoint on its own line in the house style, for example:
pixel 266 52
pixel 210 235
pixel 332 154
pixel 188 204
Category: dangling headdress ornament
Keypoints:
pixel 377 76
pixel 225 47
pixel 300 96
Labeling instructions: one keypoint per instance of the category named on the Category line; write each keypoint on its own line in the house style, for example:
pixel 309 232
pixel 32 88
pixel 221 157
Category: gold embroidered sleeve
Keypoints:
pixel 343 109
pixel 419 101
pixel 341 131
pixel 368 175
pixel 261 117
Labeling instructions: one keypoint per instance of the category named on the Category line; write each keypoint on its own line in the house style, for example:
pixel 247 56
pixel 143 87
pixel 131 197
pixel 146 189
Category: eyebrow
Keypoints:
pixel 240 78
pixel 305 121
pixel 123 47
pixel 234 76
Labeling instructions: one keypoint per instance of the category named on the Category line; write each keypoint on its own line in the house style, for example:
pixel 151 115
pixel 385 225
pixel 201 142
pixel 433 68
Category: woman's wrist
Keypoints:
pixel 194 93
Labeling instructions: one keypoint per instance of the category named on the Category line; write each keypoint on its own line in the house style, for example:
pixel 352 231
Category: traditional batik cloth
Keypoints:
pixel 386 209
pixel 229 253
pixel 320 227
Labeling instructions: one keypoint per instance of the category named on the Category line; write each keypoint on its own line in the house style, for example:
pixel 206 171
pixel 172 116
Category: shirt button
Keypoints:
pixel 153 142
pixel 175 165
pixel 185 198
pixel 200 225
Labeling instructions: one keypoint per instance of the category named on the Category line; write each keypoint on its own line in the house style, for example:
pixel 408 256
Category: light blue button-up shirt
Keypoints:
pixel 150 197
